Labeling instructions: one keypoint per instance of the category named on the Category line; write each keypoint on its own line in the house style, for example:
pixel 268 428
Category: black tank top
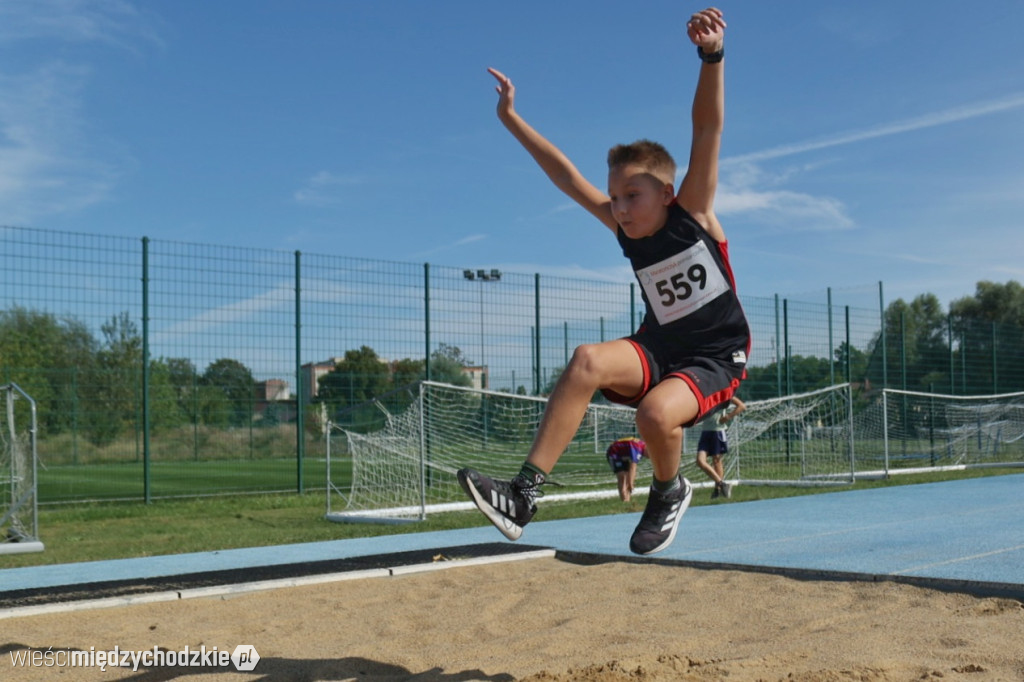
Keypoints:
pixel 688 289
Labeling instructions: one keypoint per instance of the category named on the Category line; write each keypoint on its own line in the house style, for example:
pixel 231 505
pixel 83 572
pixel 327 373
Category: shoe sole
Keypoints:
pixel 509 529
pixel 683 506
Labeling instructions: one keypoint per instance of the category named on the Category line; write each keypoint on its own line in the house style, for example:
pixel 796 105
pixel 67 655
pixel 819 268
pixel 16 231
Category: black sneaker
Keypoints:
pixel 657 527
pixel 508 504
pixel 716 491
pixel 726 490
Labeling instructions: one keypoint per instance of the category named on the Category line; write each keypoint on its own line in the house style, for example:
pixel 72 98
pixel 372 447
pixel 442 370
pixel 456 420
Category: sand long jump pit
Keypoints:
pixel 529 616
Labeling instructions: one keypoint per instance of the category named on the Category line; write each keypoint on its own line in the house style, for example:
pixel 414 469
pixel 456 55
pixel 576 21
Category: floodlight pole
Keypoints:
pixel 493 275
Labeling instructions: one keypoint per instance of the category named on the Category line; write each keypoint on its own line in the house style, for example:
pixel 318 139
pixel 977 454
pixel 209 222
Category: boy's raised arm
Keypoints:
pixel 706 29
pixel 550 158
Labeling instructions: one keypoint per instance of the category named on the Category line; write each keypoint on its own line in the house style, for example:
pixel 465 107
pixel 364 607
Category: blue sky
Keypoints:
pixel 864 141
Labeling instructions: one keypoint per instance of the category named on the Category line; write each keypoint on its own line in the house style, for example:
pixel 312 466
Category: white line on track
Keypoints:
pixel 257 586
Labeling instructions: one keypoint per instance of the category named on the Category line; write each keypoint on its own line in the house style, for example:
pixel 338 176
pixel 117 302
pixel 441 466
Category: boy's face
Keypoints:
pixel 639 200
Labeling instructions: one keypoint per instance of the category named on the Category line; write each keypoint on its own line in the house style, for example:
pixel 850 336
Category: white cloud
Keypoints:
pixel 931 120
pixel 468 239
pixel 795 210
pixel 48 165
pixel 113 22
pixel 746 188
pixel 50 160
pixel 567 206
pixel 1014 272
pixel 243 310
pixel 326 189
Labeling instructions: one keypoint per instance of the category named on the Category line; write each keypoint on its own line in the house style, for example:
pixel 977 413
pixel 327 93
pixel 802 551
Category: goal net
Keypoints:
pixel 18 504
pixel 799 439
pixel 408 464
pixel 907 431
pixel 398 460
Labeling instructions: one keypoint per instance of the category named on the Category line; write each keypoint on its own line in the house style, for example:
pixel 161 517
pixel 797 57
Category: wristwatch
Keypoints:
pixel 710 58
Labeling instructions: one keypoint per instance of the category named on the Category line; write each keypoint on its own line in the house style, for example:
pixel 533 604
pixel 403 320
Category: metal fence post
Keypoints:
pixel 995 368
pixel 882 335
pixel 426 321
pixel 565 343
pixel 146 472
pixel 778 350
pixel 952 365
pixel 831 341
pixel 633 323
pixel 786 348
pixel 849 369
pixel 300 393
pixel 536 331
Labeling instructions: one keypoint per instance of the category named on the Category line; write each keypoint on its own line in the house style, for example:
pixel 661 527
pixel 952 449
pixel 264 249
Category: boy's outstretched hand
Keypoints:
pixel 506 92
pixel 707 29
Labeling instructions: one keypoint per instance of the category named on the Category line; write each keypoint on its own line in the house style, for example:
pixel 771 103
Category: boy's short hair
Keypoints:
pixel 650 156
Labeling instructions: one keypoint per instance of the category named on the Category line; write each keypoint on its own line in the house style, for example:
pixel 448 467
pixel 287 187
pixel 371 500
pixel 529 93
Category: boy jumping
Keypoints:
pixel 689 354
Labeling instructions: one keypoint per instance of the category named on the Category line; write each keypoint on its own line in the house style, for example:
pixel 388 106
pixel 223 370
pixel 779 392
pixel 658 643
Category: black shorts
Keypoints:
pixel 713 381
pixel 619 465
pixel 713 442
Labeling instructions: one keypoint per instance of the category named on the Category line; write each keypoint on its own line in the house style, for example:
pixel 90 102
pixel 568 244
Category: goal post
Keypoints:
pixel 376 472
pixel 18 464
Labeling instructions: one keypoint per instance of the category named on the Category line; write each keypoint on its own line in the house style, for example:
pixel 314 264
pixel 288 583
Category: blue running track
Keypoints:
pixel 965 536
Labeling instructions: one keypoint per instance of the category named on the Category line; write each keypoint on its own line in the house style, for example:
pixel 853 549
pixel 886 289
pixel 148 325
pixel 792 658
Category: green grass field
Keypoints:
pixel 112 530
pixel 125 481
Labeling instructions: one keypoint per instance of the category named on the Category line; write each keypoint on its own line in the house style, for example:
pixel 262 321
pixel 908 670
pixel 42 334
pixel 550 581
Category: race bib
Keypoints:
pixel 680 285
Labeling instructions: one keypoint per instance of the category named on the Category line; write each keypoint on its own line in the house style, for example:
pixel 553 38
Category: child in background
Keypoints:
pixel 623 456
pixel 714 442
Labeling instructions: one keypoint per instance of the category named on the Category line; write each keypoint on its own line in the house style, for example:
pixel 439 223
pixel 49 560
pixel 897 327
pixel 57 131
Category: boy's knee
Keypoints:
pixel 583 366
pixel 653 420
pixel 584 359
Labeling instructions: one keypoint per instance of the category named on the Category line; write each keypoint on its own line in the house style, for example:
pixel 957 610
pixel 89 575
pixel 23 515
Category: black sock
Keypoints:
pixel 534 474
pixel 666 486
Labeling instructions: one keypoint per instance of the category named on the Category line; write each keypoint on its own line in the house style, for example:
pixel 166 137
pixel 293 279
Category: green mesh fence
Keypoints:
pixel 172 369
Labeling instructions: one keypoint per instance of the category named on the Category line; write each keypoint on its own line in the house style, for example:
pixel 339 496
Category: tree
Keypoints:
pixel 184 381
pixel 359 377
pixel 50 358
pixel 916 343
pixel 989 332
pixel 234 380
pixel 406 372
pixel 214 407
pixel 447 364
pixel 165 407
pixel 858 363
pixel 992 302
pixel 116 386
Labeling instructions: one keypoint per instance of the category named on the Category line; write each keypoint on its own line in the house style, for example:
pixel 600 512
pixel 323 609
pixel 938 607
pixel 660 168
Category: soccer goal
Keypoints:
pixel 908 431
pixel 18 503
pixel 803 439
pixel 404 465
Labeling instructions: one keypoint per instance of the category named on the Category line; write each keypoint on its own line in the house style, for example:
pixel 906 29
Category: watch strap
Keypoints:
pixel 710 57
